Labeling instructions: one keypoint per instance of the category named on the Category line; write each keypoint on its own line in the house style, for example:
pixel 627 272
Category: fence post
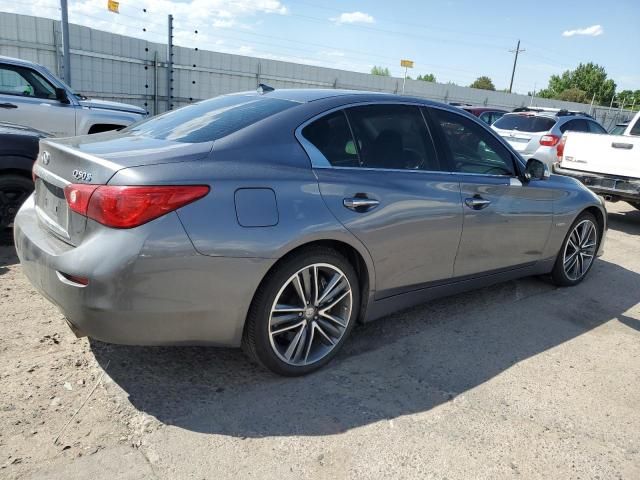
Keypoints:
pixel 169 62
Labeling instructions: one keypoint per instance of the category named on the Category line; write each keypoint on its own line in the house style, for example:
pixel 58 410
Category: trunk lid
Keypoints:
pixel 94 159
pixel 523 131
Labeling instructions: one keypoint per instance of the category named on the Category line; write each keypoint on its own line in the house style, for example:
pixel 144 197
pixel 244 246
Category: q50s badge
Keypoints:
pixel 82 175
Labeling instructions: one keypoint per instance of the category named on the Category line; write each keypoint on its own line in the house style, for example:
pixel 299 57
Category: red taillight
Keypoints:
pixel 560 148
pixel 549 140
pixel 78 197
pixel 130 206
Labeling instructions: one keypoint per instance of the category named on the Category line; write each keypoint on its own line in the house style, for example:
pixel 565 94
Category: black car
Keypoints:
pixel 18 151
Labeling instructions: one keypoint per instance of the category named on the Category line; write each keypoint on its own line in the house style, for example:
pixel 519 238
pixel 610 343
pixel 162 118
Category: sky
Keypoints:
pixel 457 40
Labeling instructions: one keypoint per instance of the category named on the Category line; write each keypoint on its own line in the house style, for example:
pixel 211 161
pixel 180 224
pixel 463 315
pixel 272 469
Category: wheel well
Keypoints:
pixel 596 212
pixel 16 171
pixel 351 254
pixel 104 127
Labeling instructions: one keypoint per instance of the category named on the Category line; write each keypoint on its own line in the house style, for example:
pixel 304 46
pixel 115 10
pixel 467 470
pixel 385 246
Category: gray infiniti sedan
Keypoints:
pixel 277 220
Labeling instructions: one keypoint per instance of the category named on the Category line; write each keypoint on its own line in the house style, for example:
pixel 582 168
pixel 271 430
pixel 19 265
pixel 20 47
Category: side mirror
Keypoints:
pixel 536 170
pixel 61 95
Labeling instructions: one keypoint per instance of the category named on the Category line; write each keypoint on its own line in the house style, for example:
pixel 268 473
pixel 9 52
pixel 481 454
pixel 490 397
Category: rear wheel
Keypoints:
pixel 578 251
pixel 303 312
pixel 14 190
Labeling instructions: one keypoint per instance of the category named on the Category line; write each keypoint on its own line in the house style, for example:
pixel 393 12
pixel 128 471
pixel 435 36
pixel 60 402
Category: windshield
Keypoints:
pixel 525 123
pixel 211 119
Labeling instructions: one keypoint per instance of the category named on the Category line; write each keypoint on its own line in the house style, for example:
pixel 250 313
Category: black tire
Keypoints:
pixel 256 340
pixel 559 275
pixel 14 190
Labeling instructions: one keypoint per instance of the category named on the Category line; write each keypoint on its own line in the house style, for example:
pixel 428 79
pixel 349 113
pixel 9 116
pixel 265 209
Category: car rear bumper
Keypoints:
pixel 147 286
pixel 610 186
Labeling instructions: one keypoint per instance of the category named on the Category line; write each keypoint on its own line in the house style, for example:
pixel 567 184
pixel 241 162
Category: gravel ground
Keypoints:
pixel 517 380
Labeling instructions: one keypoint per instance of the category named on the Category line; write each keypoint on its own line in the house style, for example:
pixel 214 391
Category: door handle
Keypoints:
pixel 8 105
pixel 360 204
pixel 477 203
pixel 626 146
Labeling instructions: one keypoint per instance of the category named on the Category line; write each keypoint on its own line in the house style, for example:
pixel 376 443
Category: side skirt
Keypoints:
pixel 383 307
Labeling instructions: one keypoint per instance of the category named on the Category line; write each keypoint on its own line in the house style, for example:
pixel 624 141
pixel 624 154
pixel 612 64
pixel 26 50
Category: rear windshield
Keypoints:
pixel 211 119
pixel 525 123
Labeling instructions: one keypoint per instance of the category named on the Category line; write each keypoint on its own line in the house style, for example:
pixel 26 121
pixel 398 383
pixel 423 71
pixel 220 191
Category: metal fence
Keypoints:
pixel 132 70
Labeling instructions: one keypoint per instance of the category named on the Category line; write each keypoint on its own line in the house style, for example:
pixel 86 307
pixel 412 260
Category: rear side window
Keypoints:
pixel 525 123
pixel 473 149
pixel 211 119
pixel 331 136
pixel 635 130
pixel 392 137
pixel 575 126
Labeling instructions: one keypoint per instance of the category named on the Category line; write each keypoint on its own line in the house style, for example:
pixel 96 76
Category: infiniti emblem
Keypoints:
pixel 46 157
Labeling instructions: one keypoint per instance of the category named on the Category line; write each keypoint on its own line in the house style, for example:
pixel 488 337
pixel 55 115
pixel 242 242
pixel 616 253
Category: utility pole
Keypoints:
pixel 170 62
pixel 515 61
pixel 66 61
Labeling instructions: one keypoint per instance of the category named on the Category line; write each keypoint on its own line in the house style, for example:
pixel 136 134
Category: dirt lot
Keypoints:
pixel 518 380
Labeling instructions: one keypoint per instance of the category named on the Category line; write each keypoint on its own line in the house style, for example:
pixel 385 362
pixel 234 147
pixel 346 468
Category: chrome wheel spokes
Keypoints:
pixel 580 249
pixel 310 314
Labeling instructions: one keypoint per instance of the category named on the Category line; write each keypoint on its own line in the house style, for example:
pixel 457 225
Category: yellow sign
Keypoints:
pixel 113 6
pixel 406 63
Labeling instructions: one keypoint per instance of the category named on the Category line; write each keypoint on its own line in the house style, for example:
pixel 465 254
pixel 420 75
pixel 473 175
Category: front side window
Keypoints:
pixel 211 119
pixel 472 149
pixel 331 136
pixel 635 130
pixel 22 81
pixel 392 137
pixel 595 127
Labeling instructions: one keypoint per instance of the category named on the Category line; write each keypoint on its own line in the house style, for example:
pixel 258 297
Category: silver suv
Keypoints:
pixel 536 132
pixel 32 96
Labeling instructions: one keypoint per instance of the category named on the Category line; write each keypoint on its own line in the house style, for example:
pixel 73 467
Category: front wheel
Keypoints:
pixel 578 251
pixel 303 312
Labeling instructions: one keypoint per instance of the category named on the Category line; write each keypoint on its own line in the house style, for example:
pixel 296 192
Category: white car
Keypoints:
pixel 534 132
pixel 32 96
pixel 607 164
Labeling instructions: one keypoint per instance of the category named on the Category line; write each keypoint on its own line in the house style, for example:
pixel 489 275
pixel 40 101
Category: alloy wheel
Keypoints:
pixel 310 314
pixel 580 250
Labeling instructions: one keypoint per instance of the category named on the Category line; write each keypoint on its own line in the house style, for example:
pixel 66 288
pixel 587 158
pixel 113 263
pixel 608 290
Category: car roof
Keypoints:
pixel 16 61
pixel 306 95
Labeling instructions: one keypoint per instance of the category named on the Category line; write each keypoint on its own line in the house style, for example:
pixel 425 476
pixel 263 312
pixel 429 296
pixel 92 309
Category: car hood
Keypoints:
pixel 107 105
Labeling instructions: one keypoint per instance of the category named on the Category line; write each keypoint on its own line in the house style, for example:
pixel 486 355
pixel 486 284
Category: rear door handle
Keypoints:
pixel 8 105
pixel 360 204
pixel 626 146
pixel 477 203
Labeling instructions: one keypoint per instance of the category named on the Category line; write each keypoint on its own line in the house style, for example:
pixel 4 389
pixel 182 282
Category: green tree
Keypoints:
pixel 427 77
pixel 382 71
pixel 588 77
pixel 484 83
pixel 574 95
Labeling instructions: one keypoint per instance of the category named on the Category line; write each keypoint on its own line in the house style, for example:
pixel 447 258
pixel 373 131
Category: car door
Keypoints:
pixel 506 222
pixel 380 176
pixel 27 98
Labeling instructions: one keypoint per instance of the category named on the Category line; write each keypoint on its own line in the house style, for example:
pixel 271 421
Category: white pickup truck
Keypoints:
pixel 32 96
pixel 607 164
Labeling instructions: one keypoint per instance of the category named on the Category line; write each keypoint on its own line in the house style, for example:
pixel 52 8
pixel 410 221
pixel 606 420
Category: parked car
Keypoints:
pixel 486 114
pixel 607 164
pixel 619 128
pixel 276 221
pixel 18 151
pixel 31 95
pixel 535 132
